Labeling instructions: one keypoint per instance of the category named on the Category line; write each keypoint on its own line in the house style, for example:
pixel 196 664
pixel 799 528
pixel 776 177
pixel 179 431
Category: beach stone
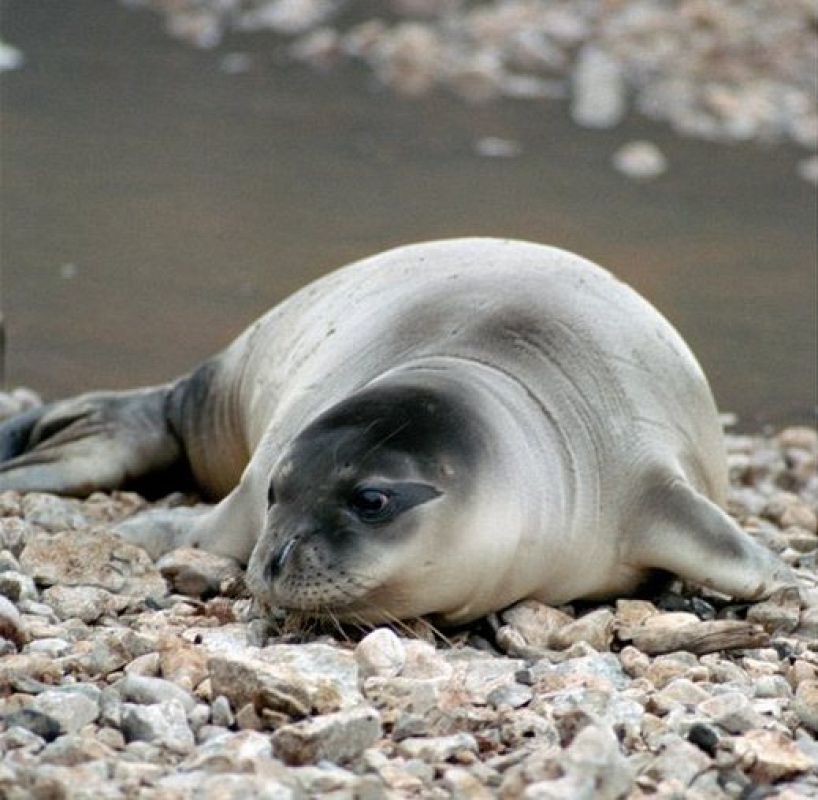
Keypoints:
pixel 147 665
pixel 230 751
pixel 248 720
pixel 631 612
pixel 71 710
pixel 601 670
pixel 780 613
pixel 799 437
pixel 52 647
pixel 634 662
pixel 336 737
pixel 436 749
pixel 16 586
pixel 404 694
pixel 591 767
pixel 183 663
pixel 462 785
pixel 731 711
pixel 598 96
pixel 162 724
pixel 195 572
pixel 514 695
pixel 221 712
pixel 684 691
pixel 799 515
pixel 275 685
pixel 87 603
pixel 510 641
pixel 39 723
pixel 535 621
pixel 596 628
pixel 74 749
pixel 15 533
pixel 678 760
pixel 808 624
pixel 52 513
pixel 806 704
pixel 640 160
pixel 11 624
pixel 380 653
pixel 96 558
pixel 770 755
pixel 146 691
pixel 424 662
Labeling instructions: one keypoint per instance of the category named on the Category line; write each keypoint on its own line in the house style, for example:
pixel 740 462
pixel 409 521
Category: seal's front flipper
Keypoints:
pixel 692 537
pixel 97 441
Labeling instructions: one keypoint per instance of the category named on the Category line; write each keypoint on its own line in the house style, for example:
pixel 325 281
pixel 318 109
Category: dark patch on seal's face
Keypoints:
pixel 354 482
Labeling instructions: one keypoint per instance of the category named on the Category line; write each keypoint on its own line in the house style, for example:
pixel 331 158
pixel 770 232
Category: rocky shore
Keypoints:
pixel 125 678
pixel 725 70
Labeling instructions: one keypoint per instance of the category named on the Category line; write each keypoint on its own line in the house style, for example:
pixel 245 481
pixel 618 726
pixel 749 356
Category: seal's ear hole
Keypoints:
pixel 271 495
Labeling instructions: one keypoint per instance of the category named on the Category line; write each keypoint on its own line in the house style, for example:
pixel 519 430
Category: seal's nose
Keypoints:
pixel 279 558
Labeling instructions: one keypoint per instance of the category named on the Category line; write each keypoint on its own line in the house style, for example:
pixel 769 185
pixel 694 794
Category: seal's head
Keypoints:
pixel 365 506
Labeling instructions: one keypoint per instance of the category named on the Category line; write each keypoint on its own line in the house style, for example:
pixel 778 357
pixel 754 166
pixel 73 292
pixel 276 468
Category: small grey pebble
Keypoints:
pixel 35 721
pixel 221 713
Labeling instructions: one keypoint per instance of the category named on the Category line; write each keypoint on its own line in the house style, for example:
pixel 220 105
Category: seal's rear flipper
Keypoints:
pixel 692 537
pixel 97 441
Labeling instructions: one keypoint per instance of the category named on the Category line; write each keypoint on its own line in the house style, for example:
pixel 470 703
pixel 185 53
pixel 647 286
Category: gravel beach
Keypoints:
pixel 125 678
pixel 716 69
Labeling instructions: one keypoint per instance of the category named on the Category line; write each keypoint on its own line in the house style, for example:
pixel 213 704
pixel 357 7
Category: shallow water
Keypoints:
pixel 152 205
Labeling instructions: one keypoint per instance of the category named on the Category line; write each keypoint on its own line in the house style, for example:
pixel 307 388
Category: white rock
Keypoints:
pixel 147 691
pixel 640 160
pixel 598 99
pixel 10 57
pixel 163 724
pixel 71 709
pixel 11 624
pixel 495 147
pixel 380 653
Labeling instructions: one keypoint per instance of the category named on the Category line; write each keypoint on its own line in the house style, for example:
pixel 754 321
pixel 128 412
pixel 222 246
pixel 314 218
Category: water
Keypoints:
pixel 153 205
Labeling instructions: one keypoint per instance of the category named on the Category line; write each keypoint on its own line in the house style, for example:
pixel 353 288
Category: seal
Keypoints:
pixel 444 429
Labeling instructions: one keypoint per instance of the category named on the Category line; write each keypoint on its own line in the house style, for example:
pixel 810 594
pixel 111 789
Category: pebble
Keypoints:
pixel 16 586
pixel 11 624
pixel 195 572
pixel 337 737
pixel 535 622
pixel 163 724
pixel 806 704
pixel 380 653
pixel 107 563
pixel 770 755
pixel 52 513
pixel 598 99
pixel 146 691
pixel 436 749
pixel 69 709
pixel 39 723
pixel 87 603
pixel 640 160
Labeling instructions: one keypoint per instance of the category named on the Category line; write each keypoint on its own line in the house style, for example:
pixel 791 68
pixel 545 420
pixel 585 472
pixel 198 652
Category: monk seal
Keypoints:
pixel 444 429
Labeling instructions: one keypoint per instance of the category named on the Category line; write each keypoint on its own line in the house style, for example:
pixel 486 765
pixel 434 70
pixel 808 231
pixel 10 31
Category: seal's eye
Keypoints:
pixel 271 495
pixel 372 505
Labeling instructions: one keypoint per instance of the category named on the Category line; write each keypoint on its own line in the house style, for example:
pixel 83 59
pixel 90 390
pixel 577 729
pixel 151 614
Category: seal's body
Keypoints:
pixel 444 428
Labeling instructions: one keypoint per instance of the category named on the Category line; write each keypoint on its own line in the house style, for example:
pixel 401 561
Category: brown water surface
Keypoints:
pixel 153 205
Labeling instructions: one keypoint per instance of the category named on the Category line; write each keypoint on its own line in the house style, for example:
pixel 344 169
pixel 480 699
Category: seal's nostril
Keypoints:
pixel 279 558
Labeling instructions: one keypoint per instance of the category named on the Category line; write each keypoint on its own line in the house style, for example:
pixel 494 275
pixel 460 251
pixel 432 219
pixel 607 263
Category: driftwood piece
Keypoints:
pixel 695 637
